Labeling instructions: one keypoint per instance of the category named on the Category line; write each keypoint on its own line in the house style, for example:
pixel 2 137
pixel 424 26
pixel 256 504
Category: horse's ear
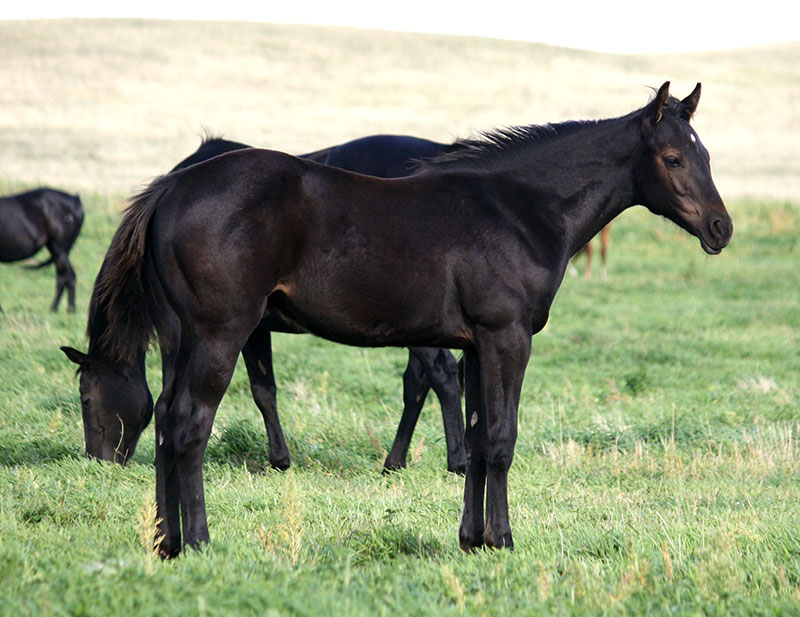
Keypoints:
pixel 691 101
pixel 653 111
pixel 78 357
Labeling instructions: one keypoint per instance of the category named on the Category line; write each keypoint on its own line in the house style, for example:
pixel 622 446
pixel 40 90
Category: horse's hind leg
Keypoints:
pixel 415 388
pixel 437 369
pixel 208 373
pixel 442 373
pixel 605 237
pixel 257 354
pixel 65 279
pixel 168 526
pixel 588 250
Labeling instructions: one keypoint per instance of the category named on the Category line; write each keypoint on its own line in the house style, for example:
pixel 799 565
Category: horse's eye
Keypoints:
pixel 672 161
pixel 85 400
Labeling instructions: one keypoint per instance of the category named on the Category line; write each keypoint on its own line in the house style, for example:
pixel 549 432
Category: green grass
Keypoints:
pixel 656 470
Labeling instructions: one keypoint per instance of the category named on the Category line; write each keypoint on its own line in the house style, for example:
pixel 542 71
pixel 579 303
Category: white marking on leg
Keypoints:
pixel 160 438
pixel 473 419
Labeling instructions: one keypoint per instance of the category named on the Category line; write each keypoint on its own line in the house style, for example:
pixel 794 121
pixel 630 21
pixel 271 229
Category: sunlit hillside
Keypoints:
pixel 108 104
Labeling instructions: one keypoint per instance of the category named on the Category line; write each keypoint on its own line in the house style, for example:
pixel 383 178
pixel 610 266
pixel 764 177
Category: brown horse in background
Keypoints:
pixel 605 237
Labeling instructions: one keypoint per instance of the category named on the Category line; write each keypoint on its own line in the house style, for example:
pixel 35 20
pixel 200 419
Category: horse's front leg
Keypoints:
pixel 502 358
pixel 470 531
pixel 503 363
pixel 257 354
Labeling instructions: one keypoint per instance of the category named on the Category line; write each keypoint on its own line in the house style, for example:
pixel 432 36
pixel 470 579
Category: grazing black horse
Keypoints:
pixel 469 253
pixel 42 217
pixel 117 405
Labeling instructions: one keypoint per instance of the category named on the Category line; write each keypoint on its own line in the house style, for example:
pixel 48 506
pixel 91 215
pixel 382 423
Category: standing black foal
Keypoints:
pixel 467 254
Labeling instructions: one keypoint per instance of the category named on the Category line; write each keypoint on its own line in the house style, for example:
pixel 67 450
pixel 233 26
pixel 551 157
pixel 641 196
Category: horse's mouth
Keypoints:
pixel 711 250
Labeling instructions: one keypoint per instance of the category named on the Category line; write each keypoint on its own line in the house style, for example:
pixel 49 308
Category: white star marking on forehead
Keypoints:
pixel 693 138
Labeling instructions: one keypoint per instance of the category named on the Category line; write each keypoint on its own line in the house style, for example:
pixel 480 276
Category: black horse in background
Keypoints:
pixel 39 218
pixel 468 253
pixel 117 405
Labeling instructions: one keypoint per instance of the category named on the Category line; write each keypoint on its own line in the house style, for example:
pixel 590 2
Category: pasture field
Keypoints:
pixel 658 462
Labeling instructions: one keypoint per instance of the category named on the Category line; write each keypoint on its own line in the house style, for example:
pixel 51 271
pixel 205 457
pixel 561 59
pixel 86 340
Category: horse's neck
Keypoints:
pixel 584 180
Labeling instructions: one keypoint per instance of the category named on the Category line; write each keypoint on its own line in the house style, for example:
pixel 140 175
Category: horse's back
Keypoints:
pixel 386 156
pixel 24 230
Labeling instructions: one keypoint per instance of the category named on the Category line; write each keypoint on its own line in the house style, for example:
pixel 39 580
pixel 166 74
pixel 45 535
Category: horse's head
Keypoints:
pixel 116 404
pixel 674 179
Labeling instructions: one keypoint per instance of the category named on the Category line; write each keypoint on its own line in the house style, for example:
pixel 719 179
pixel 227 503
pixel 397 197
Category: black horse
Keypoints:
pixel 469 253
pixel 42 217
pixel 117 405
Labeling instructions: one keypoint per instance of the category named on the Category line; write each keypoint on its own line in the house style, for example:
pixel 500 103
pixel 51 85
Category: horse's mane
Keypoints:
pixel 489 145
pixel 505 140
pixel 97 322
pixel 209 136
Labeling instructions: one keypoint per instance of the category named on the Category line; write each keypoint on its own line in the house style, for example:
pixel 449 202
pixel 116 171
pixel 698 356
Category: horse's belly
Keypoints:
pixel 372 314
pixel 14 249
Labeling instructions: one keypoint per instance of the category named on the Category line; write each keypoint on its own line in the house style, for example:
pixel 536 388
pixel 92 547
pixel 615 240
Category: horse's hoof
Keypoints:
pixel 281 464
pixel 165 552
pixel 460 469
pixel 469 546
pixel 493 539
pixel 391 467
pixel 470 542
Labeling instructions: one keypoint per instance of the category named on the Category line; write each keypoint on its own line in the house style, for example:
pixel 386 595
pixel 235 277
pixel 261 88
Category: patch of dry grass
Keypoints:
pixel 108 104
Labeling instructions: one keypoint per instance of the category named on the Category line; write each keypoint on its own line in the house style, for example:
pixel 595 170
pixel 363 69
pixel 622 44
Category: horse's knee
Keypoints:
pixel 500 449
pixel 189 440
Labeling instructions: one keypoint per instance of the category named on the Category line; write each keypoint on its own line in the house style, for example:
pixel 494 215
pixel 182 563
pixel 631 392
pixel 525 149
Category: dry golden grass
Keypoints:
pixel 108 104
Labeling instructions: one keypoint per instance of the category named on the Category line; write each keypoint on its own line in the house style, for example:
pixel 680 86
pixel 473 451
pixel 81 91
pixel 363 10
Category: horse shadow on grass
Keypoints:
pixel 38 450
pixel 240 442
pixel 390 541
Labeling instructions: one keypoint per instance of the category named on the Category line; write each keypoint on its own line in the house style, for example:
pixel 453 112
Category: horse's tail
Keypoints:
pixel 124 285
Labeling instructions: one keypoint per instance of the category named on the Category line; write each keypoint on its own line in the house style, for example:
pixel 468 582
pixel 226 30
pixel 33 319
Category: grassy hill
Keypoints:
pixel 108 104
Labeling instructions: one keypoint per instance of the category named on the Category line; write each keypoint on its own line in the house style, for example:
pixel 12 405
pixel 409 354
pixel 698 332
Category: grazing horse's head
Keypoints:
pixel 116 405
pixel 674 179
